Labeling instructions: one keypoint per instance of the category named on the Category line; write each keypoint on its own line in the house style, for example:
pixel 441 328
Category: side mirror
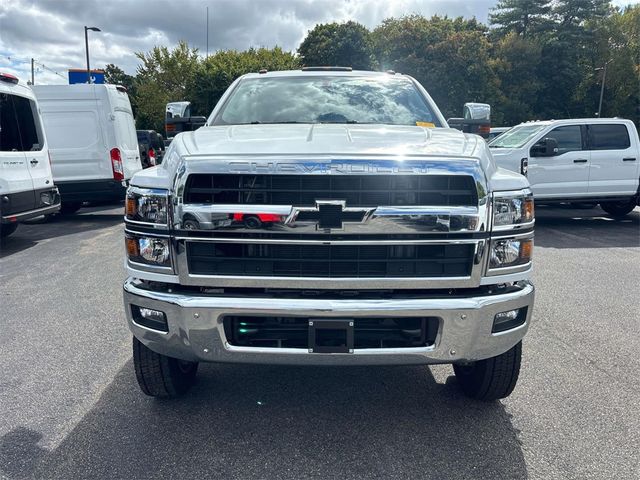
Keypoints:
pixel 477 119
pixel 547 147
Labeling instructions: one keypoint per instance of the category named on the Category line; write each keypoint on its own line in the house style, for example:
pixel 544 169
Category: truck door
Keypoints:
pixel 566 174
pixel 16 187
pixel 614 160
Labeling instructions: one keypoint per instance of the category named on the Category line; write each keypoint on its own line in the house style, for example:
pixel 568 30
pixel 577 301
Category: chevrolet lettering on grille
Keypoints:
pixel 331 214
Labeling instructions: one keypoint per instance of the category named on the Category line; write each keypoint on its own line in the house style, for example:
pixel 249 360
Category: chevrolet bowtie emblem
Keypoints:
pixel 331 214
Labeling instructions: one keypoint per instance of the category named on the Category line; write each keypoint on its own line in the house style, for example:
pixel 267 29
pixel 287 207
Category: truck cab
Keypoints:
pixel 326 216
pixel 26 184
pixel 583 160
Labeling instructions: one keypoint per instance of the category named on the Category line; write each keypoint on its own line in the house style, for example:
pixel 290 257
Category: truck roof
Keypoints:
pixel 322 73
pixel 565 121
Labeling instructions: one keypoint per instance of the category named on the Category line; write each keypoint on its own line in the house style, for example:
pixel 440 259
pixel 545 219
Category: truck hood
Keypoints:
pixel 328 139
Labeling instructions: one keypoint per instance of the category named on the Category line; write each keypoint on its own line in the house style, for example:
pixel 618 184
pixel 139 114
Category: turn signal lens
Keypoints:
pixel 132 247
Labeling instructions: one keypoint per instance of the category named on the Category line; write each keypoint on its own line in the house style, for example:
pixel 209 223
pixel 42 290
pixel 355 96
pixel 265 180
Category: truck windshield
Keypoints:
pixel 326 99
pixel 516 137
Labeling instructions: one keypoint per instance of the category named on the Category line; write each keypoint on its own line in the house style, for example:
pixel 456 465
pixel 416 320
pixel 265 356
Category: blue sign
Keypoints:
pixel 80 76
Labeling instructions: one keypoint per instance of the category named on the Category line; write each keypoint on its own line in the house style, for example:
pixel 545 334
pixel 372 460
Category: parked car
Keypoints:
pixel 92 141
pixel 26 184
pixel 410 246
pixel 577 160
pixel 495 132
pixel 151 145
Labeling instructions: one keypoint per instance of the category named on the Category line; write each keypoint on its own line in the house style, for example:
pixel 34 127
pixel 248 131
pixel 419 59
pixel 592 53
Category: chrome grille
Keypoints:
pixel 329 261
pixel 355 190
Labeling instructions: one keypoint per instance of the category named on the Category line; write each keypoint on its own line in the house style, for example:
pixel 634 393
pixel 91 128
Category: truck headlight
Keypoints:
pixel 147 205
pixel 148 250
pixel 510 252
pixel 512 209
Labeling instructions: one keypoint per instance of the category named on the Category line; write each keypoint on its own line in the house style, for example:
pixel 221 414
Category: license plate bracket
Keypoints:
pixel 331 335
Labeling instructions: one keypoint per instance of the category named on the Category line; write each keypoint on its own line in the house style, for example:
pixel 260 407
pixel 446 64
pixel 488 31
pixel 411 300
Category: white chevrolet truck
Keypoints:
pixel 328 217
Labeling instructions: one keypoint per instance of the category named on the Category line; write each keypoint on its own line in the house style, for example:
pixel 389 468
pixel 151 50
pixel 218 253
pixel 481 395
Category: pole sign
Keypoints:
pixel 77 75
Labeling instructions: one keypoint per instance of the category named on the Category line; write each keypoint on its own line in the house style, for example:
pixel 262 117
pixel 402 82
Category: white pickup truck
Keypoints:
pixel 328 217
pixel 578 160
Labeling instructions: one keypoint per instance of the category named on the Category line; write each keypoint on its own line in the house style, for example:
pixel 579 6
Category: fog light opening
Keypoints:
pixel 508 320
pixel 150 318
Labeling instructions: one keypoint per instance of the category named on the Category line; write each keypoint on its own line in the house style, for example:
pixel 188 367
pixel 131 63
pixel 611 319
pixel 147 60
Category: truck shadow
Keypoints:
pixel 560 227
pixel 29 234
pixel 261 421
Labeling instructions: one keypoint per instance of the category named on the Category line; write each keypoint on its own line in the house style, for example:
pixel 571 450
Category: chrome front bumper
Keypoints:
pixel 196 331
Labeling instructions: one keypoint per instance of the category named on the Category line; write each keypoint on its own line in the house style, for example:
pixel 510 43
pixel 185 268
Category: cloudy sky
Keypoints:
pixel 51 31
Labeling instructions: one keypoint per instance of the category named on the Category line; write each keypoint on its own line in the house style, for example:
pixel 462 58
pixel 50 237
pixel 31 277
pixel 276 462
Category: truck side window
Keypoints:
pixel 26 113
pixel 609 137
pixel 9 132
pixel 569 138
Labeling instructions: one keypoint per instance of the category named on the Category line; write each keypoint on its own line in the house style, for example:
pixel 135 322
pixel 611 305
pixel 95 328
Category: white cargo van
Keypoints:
pixel 576 160
pixel 92 140
pixel 26 184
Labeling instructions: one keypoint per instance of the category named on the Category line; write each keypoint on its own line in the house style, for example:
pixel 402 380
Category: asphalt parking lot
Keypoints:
pixel 70 406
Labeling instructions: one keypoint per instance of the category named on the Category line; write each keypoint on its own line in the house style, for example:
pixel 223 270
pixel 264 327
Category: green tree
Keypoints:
pixel 517 60
pixel 214 75
pixel 116 76
pixel 524 17
pixel 338 44
pixel 164 76
pixel 450 57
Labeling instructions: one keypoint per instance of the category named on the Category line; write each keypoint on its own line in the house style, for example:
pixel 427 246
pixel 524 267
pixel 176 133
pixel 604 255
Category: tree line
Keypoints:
pixel 537 59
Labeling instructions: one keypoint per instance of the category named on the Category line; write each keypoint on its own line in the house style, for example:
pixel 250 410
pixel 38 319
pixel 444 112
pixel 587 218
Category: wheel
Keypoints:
pixel 7 229
pixel 619 209
pixel 159 375
pixel 68 208
pixel 492 378
pixel 252 222
pixel 191 224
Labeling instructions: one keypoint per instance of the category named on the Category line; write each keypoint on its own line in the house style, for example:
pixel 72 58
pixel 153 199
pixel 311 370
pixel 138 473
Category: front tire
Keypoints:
pixel 492 378
pixel 619 209
pixel 159 375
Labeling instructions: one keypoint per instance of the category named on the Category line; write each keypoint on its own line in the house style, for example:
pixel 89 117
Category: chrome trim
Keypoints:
pixel 464 333
pixel 479 260
pixel 414 219
pixel 330 242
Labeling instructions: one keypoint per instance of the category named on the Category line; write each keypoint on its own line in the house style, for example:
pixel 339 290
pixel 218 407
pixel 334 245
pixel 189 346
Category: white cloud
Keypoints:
pixel 51 31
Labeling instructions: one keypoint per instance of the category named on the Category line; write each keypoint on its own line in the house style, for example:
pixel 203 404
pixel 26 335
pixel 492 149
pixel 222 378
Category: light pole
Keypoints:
pixel 86 44
pixel 604 79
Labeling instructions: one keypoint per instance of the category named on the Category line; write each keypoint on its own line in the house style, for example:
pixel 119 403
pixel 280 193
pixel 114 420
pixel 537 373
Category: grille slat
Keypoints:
pixel 330 261
pixel 293 332
pixel 356 190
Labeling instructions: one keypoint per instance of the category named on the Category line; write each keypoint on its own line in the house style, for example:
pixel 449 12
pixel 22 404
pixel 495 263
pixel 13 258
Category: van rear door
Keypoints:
pixel 16 186
pixel 125 131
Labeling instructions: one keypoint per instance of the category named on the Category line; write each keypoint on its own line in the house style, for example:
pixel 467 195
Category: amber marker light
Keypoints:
pixel 132 247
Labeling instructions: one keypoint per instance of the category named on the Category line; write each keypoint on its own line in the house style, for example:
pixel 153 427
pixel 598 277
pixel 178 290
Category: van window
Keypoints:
pixel 71 129
pixel 9 133
pixel 569 138
pixel 609 137
pixel 126 131
pixel 19 130
pixel 27 113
